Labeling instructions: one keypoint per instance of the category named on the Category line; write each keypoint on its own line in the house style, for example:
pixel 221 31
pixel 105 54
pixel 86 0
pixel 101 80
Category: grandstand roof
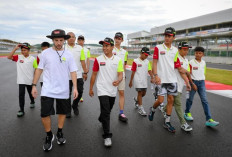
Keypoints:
pixel 138 34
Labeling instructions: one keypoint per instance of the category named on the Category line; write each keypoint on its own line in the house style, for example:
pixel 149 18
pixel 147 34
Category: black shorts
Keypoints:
pixel 47 106
pixel 141 89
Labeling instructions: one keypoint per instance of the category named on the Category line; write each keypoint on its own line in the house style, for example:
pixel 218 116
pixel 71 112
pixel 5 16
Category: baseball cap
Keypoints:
pixel 146 51
pixel 81 37
pixel 25 45
pixel 119 35
pixel 108 41
pixel 170 31
pixel 184 44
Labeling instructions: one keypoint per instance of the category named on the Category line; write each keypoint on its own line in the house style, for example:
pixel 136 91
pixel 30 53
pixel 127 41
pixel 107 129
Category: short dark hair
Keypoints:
pixel 45 44
pixel 199 48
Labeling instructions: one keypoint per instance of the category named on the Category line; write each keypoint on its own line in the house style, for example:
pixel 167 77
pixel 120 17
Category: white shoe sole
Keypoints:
pixel 51 144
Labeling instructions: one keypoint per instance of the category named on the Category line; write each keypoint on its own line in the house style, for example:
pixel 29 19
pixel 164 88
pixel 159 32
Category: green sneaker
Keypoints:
pixel 188 116
pixel 20 114
pixel 32 105
pixel 211 122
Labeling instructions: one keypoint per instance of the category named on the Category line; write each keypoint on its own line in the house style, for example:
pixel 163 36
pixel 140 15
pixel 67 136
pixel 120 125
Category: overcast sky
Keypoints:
pixel 31 20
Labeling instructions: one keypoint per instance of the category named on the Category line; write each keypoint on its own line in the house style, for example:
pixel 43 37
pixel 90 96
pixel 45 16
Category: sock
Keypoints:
pixel 59 130
pixel 49 133
pixel 140 106
pixel 121 112
pixel 153 109
pixel 167 119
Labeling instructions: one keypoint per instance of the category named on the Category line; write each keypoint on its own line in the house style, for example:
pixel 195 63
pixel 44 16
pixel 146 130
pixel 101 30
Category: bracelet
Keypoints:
pixel 155 75
pixel 33 84
pixel 85 73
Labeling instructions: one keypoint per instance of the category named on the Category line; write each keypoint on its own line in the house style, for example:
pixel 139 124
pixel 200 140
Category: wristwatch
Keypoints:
pixel 33 84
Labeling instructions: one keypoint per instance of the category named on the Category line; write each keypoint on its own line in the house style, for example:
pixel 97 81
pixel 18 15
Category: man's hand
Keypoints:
pixel 116 83
pixel 34 92
pixel 194 87
pixel 153 80
pixel 85 76
pixel 188 86
pixel 130 84
pixel 75 93
pixel 157 80
pixel 91 93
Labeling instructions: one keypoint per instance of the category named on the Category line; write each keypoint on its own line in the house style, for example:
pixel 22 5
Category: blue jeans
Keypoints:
pixel 202 93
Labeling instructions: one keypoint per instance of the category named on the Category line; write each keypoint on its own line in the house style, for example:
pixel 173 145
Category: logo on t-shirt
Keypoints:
pixel 102 63
pixel 21 61
pixel 162 52
pixel 181 63
pixel 195 68
pixel 114 53
pixel 140 65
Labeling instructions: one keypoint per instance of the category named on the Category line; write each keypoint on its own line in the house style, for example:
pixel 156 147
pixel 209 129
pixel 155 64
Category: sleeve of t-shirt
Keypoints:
pixel 188 69
pixel 156 53
pixel 177 63
pixel 205 69
pixel 41 61
pixel 134 66
pixel 72 65
pixel 95 65
pixel 15 58
pixel 190 66
pixel 82 58
pixel 37 58
pixel 120 66
pixel 35 65
pixel 126 56
pixel 88 54
pixel 149 66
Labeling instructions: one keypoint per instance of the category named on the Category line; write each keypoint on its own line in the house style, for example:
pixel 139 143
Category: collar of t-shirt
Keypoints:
pixel 197 62
pixel 165 47
pixel 106 58
pixel 117 49
pixel 71 47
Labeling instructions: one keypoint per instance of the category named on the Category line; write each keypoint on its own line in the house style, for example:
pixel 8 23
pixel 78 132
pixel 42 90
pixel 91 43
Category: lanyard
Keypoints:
pixel 60 55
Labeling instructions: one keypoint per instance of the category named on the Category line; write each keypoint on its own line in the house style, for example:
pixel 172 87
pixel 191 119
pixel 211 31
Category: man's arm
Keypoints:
pixel 154 70
pixel 120 77
pixel 37 74
pixel 10 56
pixel 88 63
pixel 92 81
pixel 85 69
pixel 74 81
pixel 131 79
pixel 185 78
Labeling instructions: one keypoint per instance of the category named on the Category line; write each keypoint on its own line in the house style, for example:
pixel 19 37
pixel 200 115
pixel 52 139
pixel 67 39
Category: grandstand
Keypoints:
pixel 212 31
pixel 7 45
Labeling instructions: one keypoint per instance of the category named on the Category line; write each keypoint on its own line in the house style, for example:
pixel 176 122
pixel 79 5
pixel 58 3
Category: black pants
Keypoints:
pixel 80 89
pixel 106 105
pixel 22 95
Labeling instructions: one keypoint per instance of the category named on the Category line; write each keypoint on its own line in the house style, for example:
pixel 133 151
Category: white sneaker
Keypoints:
pixel 107 142
pixel 142 111
pixel 186 127
pixel 136 103
pixel 164 114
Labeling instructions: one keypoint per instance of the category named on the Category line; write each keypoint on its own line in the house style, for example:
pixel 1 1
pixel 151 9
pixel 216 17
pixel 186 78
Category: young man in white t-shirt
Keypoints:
pixel 198 70
pixel 81 42
pixel 140 67
pixel 25 71
pixel 123 54
pixel 165 60
pixel 57 64
pixel 79 58
pixel 108 70
pixel 44 45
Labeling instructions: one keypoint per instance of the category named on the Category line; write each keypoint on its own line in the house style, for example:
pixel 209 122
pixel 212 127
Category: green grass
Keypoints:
pixel 214 75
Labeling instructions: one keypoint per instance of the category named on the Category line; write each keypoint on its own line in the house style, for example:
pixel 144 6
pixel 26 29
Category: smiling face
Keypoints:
pixel 25 52
pixel 107 49
pixel 58 43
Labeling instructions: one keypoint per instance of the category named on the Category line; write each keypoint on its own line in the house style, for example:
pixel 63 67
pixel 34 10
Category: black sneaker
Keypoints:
pixel 169 127
pixel 60 139
pixel 68 115
pixel 76 111
pixel 48 143
pixel 122 118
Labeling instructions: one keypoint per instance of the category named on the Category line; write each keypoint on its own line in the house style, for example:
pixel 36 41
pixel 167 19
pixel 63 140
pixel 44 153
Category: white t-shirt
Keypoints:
pixel 56 71
pixel 107 69
pixel 78 55
pixel 38 60
pixel 197 69
pixel 25 68
pixel 184 64
pixel 141 67
pixel 167 61
pixel 87 53
pixel 123 54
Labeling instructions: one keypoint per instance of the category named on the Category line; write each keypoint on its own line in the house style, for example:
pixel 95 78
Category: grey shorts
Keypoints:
pixel 167 88
pixel 140 89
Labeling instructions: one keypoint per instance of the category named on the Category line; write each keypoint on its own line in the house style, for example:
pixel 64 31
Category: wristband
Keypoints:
pixel 33 84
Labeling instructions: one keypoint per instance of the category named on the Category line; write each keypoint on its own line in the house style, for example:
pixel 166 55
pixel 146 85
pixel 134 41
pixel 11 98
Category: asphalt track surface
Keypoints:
pixel 140 137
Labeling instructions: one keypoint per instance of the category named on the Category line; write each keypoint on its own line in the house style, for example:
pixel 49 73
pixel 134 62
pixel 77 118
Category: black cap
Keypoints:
pixel 119 35
pixel 146 51
pixel 81 37
pixel 184 44
pixel 25 45
pixel 58 33
pixel 170 31
pixel 108 41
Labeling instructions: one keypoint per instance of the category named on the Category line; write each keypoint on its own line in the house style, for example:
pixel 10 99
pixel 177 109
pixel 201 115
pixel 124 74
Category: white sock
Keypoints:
pixel 153 109
pixel 167 119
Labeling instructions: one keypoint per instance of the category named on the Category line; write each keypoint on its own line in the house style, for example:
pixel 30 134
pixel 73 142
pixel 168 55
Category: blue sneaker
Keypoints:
pixel 169 127
pixel 151 114
pixel 211 122
pixel 188 116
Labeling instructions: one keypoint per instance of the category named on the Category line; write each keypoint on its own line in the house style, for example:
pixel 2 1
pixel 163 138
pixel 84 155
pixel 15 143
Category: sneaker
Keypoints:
pixel 136 103
pixel 32 105
pixel 122 118
pixel 107 142
pixel 151 114
pixel 81 100
pixel 20 113
pixel 161 107
pixel 186 127
pixel 48 143
pixel 60 139
pixel 68 115
pixel 76 111
pixel 164 114
pixel 169 127
pixel 188 116
pixel 211 122
pixel 141 111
